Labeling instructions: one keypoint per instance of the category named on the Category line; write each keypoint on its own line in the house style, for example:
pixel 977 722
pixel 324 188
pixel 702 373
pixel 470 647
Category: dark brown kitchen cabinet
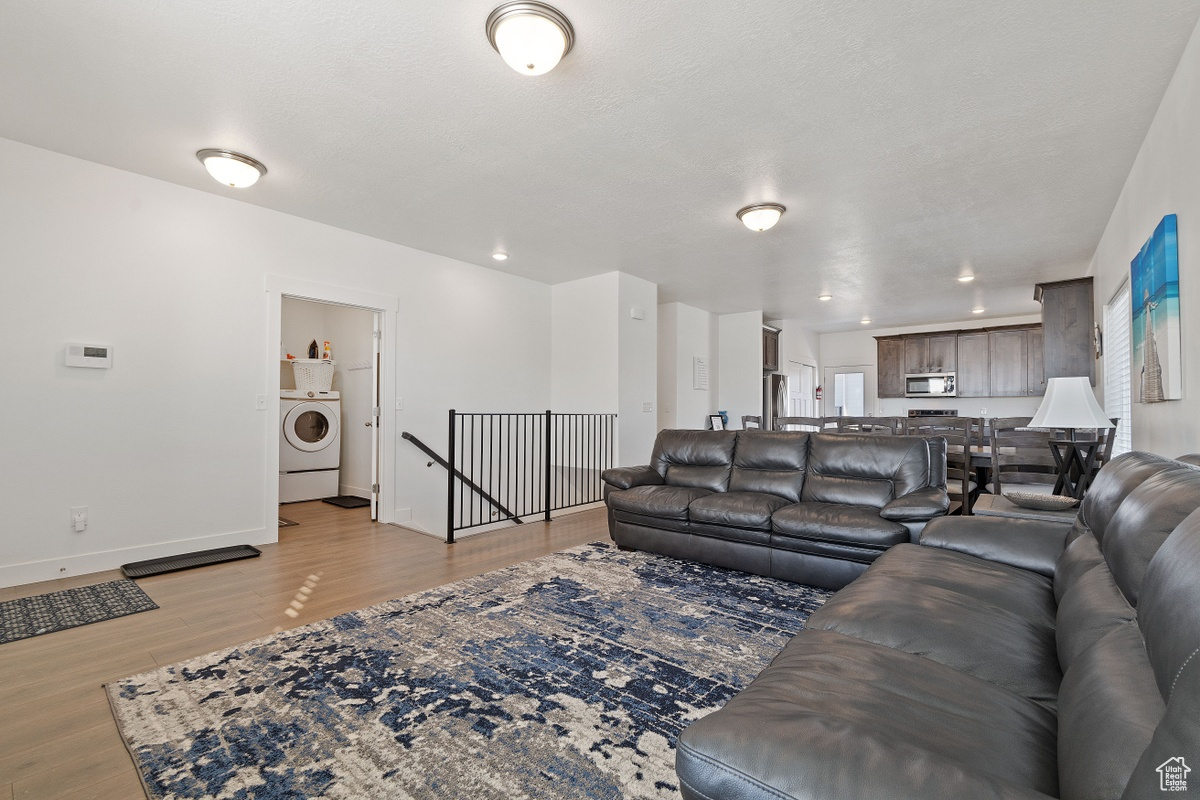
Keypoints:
pixel 1068 322
pixel 889 366
pixel 1037 372
pixel 974 365
pixel 929 354
pixel 770 349
pixel 1008 368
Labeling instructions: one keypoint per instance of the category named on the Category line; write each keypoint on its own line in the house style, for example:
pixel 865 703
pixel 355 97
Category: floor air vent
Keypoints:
pixel 200 558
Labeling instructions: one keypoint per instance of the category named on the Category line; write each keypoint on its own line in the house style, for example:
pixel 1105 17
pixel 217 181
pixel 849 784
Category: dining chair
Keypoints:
pixel 751 422
pixel 875 425
pixel 960 479
pixel 804 423
pixel 1021 455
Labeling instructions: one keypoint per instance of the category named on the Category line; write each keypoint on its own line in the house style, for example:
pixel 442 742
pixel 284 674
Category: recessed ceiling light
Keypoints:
pixel 531 37
pixel 500 256
pixel 761 216
pixel 824 297
pixel 865 321
pixel 965 278
pixel 978 310
pixel 230 168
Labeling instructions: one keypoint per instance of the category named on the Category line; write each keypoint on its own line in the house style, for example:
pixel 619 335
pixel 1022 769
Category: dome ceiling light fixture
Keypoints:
pixel 761 216
pixel 531 37
pixel 230 168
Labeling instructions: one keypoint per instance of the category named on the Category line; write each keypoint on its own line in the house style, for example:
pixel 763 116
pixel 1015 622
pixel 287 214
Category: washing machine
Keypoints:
pixel 310 444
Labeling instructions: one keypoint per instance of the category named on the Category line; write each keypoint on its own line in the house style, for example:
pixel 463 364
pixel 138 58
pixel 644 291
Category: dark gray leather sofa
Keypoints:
pixel 813 508
pixel 996 659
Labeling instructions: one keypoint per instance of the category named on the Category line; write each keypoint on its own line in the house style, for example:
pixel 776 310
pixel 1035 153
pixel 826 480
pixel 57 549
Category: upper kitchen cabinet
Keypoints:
pixel 930 354
pixel 1068 320
pixel 890 366
pixel 770 348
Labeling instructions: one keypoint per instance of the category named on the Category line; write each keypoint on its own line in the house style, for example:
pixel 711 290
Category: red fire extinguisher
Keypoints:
pixel 818 394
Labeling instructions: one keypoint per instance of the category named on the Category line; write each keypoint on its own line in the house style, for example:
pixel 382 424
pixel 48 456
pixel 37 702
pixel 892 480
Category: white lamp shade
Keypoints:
pixel 1070 403
pixel 530 44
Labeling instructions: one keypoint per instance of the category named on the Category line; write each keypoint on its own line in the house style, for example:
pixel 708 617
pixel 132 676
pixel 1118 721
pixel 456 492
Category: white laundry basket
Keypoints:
pixel 313 375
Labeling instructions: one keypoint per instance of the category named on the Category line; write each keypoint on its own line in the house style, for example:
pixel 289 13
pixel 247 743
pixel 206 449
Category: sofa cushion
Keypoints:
pixel 730 534
pixel 950 625
pixel 1113 484
pixel 1144 520
pixel 668 502
pixel 1092 608
pixel 832 522
pixel 1017 591
pixel 834 716
pixel 1076 559
pixel 864 470
pixel 1107 710
pixel 737 509
pixel 697 459
pixel 770 462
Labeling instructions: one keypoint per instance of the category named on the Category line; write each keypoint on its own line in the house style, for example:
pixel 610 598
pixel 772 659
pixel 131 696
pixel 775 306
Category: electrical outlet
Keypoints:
pixel 260 402
pixel 79 518
pixel 982 411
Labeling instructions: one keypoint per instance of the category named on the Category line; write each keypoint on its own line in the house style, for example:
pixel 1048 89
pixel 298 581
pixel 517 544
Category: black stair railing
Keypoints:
pixel 511 465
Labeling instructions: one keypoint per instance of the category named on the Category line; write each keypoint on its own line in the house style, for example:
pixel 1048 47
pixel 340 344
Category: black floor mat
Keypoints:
pixel 200 558
pixel 347 501
pixel 46 613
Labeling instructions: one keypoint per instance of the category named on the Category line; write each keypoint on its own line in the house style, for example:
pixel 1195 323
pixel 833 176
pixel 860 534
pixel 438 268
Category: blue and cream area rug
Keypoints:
pixel 565 677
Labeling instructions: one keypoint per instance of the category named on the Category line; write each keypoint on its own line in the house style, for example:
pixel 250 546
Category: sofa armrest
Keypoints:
pixel 628 477
pixel 915 506
pixel 1028 544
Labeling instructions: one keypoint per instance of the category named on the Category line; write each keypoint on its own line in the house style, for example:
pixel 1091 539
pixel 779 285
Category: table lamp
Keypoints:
pixel 1070 403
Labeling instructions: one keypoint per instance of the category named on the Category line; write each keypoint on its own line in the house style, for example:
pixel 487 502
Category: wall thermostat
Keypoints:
pixel 96 356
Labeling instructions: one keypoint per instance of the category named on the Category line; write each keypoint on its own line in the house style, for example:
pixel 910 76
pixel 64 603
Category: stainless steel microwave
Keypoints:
pixel 935 384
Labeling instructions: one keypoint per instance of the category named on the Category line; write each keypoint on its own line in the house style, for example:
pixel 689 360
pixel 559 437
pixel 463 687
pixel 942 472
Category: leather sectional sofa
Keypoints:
pixel 813 508
pixel 998 658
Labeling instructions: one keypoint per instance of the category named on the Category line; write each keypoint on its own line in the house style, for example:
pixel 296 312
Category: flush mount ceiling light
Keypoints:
pixel 965 278
pixel 824 297
pixel 978 310
pixel 865 321
pixel 531 37
pixel 499 256
pixel 761 216
pixel 230 168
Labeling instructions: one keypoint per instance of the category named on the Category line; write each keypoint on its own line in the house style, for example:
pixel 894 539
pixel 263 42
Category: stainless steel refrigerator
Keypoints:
pixel 775 399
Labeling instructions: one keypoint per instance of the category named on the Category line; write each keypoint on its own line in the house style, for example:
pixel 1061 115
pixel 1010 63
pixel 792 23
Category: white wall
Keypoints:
pixel 1164 180
pixel 741 375
pixel 686 332
pixel 167 447
pixel 637 357
pixel 797 343
pixel 604 360
pixel 584 346
pixel 858 348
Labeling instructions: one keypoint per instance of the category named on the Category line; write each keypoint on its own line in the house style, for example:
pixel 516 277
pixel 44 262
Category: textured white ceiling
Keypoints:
pixel 906 138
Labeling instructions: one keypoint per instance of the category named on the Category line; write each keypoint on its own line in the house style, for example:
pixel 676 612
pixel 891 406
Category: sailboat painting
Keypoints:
pixel 1154 288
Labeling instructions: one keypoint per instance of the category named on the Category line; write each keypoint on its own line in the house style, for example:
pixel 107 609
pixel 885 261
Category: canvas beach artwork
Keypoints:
pixel 1154 288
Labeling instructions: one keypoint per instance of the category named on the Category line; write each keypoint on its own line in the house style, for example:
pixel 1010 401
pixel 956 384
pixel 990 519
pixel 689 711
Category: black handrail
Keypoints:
pixel 469 483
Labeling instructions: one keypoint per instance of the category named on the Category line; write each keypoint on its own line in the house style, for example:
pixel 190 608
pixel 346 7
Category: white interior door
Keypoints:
pixel 375 370
pixel 849 391
pixel 802 380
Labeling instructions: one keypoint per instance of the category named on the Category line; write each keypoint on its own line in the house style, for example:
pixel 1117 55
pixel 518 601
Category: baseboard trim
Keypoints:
pixel 101 561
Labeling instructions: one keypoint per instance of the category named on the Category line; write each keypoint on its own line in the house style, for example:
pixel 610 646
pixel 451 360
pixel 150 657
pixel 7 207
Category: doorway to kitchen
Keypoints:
pixel 849 391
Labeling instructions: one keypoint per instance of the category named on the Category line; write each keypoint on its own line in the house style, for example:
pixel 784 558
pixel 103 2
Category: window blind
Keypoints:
pixel 1117 380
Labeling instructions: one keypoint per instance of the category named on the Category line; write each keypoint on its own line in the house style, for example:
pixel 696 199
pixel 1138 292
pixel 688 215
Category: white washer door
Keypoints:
pixel 310 427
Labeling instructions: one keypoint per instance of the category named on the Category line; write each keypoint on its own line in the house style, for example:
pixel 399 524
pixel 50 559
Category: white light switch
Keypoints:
pixel 647 406
pixel 399 403
pixel 79 518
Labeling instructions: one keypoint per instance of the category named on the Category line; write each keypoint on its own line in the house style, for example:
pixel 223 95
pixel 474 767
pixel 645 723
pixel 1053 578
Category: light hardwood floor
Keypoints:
pixel 58 738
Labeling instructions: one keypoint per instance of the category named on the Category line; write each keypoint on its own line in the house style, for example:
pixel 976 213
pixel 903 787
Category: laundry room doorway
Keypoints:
pixel 333 376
